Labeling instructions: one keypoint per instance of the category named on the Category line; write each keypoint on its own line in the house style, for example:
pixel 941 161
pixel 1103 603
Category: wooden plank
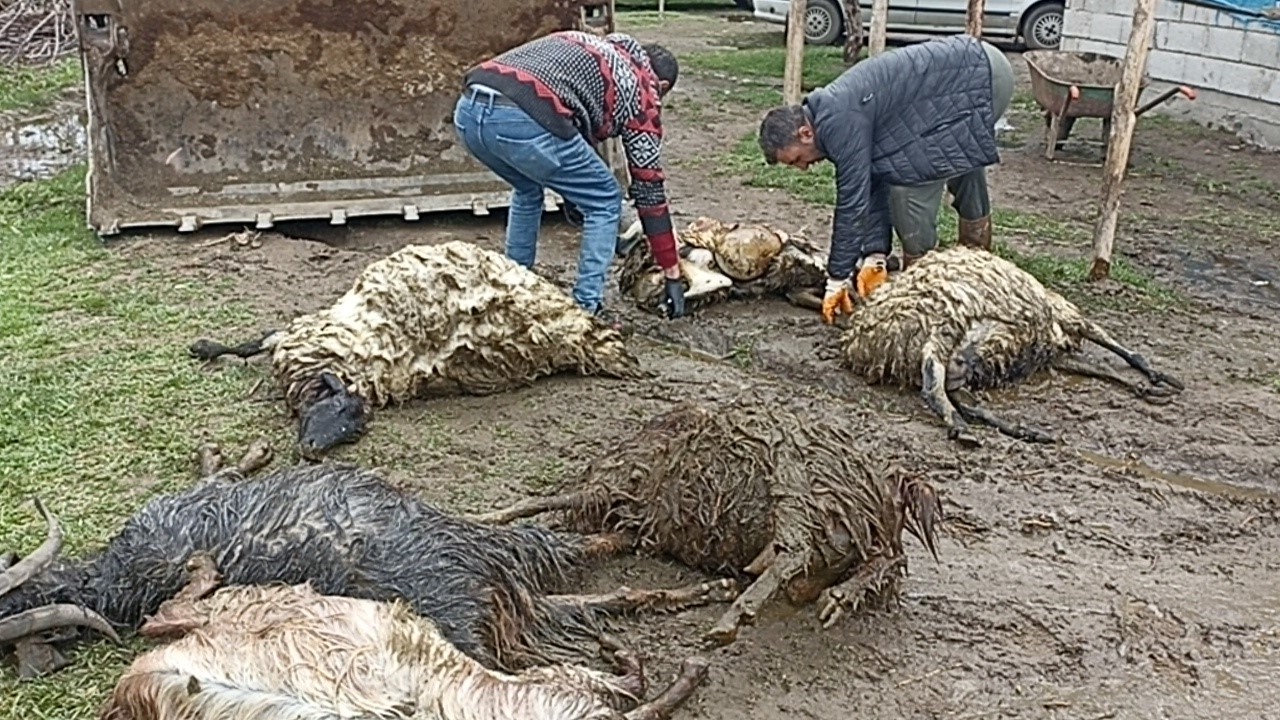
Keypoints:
pixel 879 27
pixel 792 70
pixel 1120 140
pixel 973 17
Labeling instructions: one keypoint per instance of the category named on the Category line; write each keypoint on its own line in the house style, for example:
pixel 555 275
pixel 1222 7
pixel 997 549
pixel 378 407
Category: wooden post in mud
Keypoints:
pixel 852 30
pixel 973 18
pixel 1121 137
pixel 879 27
pixel 794 67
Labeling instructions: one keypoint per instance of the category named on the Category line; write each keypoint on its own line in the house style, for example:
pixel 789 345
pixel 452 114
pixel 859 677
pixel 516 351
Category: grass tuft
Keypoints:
pixel 33 88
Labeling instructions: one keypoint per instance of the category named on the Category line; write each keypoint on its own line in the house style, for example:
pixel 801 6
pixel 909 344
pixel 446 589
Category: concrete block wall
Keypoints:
pixel 1232 60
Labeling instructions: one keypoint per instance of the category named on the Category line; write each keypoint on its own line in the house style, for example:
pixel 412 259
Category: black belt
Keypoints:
pixel 481 93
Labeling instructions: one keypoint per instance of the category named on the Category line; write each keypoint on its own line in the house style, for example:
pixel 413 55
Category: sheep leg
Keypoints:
pixel 933 389
pixel 528 508
pixel 784 566
pixel 976 413
pixel 209 460
pixel 258 456
pixel 806 299
pixel 693 672
pixel 1099 336
pixel 1086 368
pixel 625 599
pixel 207 350
pixel 178 614
pixel 847 596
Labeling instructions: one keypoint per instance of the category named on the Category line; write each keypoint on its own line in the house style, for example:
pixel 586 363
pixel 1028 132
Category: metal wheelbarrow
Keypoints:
pixel 1072 85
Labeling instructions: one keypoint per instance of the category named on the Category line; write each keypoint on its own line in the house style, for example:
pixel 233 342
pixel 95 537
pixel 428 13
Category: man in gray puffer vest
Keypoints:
pixel 899 128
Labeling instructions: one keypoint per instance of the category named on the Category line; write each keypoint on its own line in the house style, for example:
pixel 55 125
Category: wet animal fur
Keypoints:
pixel 347 532
pixel 744 489
pixel 284 651
pixel 965 318
pixel 796 273
pixel 432 320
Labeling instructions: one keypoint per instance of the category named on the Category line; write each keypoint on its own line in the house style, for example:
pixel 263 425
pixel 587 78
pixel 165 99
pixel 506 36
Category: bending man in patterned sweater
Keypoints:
pixel 532 116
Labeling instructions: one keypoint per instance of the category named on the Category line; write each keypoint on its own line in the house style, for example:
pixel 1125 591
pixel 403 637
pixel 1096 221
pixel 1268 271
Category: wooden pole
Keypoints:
pixel 1121 136
pixel 879 27
pixel 852 31
pixel 662 8
pixel 973 18
pixel 791 71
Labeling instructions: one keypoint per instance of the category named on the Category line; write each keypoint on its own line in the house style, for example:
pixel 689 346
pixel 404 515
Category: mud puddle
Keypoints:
pixel 39 148
pixel 1141 469
pixel 1245 279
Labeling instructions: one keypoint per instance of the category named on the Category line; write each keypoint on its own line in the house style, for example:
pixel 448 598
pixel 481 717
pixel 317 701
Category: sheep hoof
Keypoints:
pixel 964 437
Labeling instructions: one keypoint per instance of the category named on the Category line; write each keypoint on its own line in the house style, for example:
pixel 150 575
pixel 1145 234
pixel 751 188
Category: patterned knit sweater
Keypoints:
pixel 599 87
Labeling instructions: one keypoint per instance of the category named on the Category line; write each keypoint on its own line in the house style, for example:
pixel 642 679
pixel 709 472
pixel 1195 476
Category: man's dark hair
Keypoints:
pixel 664 63
pixel 779 130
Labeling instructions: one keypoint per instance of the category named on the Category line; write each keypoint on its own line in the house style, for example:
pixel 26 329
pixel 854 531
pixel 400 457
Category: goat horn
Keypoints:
pixel 48 617
pixel 36 561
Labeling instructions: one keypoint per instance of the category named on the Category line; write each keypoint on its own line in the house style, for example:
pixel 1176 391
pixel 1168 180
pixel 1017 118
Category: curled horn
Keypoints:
pixel 50 616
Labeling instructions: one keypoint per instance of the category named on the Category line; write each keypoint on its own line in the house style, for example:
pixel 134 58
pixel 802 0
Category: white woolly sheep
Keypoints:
pixel 286 651
pixel 428 320
pixel 967 318
pixel 722 261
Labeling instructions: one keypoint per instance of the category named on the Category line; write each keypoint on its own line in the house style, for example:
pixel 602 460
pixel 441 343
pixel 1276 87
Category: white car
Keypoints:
pixel 1037 22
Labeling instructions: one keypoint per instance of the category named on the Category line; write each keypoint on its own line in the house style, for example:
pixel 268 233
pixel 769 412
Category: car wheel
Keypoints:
pixel 822 22
pixel 745 4
pixel 1042 27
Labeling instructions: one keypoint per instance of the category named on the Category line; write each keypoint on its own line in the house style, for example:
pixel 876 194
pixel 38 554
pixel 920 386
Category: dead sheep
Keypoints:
pixel 748 490
pixel 962 318
pixel 491 590
pixel 721 261
pixel 428 320
pixel 287 651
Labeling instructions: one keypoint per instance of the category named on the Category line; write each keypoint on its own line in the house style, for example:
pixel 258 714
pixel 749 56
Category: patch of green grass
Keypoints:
pixel 766 64
pixel 100 407
pixel 35 88
pixel 817 186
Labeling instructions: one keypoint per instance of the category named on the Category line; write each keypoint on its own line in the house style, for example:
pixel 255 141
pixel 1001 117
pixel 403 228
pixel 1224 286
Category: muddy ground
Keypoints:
pixel 1136 582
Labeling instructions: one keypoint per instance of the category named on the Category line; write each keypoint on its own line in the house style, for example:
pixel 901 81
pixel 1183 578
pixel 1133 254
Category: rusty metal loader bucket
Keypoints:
pixel 259 111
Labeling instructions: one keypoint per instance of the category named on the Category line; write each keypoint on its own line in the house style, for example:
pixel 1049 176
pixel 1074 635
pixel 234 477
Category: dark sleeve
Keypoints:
pixel 849 149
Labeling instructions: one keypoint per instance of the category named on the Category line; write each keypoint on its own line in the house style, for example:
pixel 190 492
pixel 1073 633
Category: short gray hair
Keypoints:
pixel 780 129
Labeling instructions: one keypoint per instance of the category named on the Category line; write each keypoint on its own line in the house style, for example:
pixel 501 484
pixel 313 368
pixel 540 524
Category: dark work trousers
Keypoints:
pixel 914 210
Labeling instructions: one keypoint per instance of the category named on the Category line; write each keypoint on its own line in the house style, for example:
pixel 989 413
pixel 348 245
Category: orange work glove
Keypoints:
pixel 873 273
pixel 836 300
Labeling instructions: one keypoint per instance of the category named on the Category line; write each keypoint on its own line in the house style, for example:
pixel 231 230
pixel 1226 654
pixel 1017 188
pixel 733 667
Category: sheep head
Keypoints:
pixel 335 416
pixel 23 629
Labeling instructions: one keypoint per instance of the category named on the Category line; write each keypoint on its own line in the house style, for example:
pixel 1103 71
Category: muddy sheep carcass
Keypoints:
pixel 348 532
pixel 428 320
pixel 721 261
pixel 288 651
pixel 750 490
pixel 962 318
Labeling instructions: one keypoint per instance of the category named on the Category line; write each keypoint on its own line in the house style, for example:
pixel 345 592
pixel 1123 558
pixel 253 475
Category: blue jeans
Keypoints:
pixel 521 152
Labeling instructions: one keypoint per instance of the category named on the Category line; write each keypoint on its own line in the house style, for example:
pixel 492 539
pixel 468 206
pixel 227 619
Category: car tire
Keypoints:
pixel 1042 27
pixel 745 4
pixel 824 22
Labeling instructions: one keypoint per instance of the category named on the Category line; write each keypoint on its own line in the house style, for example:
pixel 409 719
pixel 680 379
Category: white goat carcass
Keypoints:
pixel 271 652
pixel 966 318
pixel 429 320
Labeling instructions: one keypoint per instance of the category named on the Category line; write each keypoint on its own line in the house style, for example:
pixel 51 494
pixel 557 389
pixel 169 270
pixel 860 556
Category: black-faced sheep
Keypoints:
pixel 756 491
pixel 346 532
pixel 729 261
pixel 428 320
pixel 965 318
pixel 286 651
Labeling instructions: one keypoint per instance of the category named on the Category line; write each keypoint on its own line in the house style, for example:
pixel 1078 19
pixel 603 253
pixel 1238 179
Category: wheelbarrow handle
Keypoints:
pixel 1186 92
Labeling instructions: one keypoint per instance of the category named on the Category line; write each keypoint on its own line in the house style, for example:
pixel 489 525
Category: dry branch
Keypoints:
pixel 33 32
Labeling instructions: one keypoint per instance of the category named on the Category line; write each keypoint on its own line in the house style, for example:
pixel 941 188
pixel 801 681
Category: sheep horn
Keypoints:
pixel 22 570
pixel 48 617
